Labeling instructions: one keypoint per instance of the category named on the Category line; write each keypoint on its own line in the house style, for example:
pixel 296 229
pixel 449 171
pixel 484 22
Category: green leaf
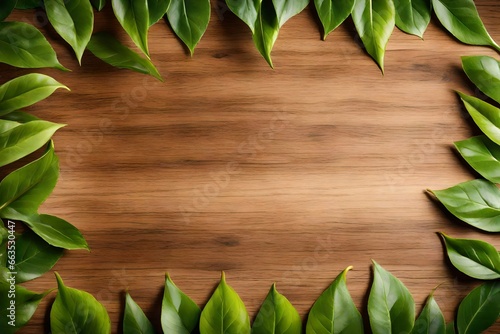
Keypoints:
pixel 4 238
pixel 483 155
pixel 25 91
pixel 332 13
pixel 22 45
pixel 179 314
pixel 480 309
pixel 475 258
pixel 413 16
pixel 73 20
pixel 7 125
pixel 450 328
pixel 75 311
pixel 108 49
pixel 246 10
pixel 390 306
pixel 98 4
pixel 134 320
pixel 19 117
pixel 334 311
pixel 24 139
pixel 277 315
pixel 461 19
pixel 431 320
pixel 286 9
pixel 224 312
pixel 475 202
pixel 266 30
pixel 6 7
pixel 484 72
pixel 157 9
pixel 374 21
pixel 189 20
pixel 28 4
pixel 133 15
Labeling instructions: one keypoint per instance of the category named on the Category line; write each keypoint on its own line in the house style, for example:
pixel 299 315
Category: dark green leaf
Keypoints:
pixel 286 9
pixel 157 9
pixel 133 15
pixel 480 309
pixel 29 4
pixel 332 13
pixel 431 320
pixel 246 10
pixel 484 72
pixel 450 328
pixel 483 155
pixel 390 306
pixel 413 16
pixel 4 235
pixel 334 311
pixel 266 30
pixel 98 4
pixel 6 7
pixel 134 320
pixel 20 117
pixel 179 314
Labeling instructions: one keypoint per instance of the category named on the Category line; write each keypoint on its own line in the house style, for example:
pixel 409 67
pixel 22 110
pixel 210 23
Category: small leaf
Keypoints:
pixel 332 13
pixel 20 117
pixel 25 47
pixel 413 16
pixel 6 7
pixel 484 72
pixel 246 10
pixel 98 4
pixel 450 328
pixel 134 320
pixel 189 20
pixel 157 9
pixel 334 311
pixel 480 309
pixel 461 19
pixel 475 258
pixel 75 311
pixel 483 155
pixel 374 21
pixel 179 314
pixel 133 15
pixel 286 9
pixel 431 320
pixel 277 315
pixel 475 202
pixel 390 306
pixel 266 30
pixel 224 312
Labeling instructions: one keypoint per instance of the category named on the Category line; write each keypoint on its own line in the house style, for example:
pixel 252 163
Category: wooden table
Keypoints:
pixel 286 175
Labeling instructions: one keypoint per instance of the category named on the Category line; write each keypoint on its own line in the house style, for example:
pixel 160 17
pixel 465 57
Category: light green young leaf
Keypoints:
pixel 277 315
pixel 475 258
pixel 450 328
pixel 224 312
pixel 413 16
pixel 189 20
pixel 108 49
pixel 483 155
pixel 179 314
pixel 286 9
pixel 6 125
pixel 475 202
pixel 332 13
pixel 266 30
pixel 246 10
pixel 134 320
pixel 431 320
pixel 73 20
pixel 374 21
pixel 133 15
pixel 480 309
pixel 157 9
pixel 390 305
pixel 19 117
pixel 75 311
pixel 98 4
pixel 484 72
pixel 461 19
pixel 25 47
pixel 6 7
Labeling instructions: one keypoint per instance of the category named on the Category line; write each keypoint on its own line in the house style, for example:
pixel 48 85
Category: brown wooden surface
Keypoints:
pixel 337 180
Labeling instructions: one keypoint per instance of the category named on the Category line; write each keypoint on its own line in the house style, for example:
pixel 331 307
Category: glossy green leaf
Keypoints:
pixel 73 20
pixel 483 155
pixel 266 30
pixel 179 314
pixel 480 309
pixel 475 202
pixel 189 20
pixel 25 47
pixel 224 312
pixel 246 10
pixel 332 13
pixel 334 311
pixel 475 258
pixel 484 72
pixel 108 49
pixel 286 9
pixel 98 4
pixel 277 315
pixel 6 7
pixel 75 311
pixel 19 117
pixel 134 320
pixel 6 125
pixel 390 305
pixel 374 21
pixel 34 256
pixel 133 15
pixel 28 4
pixel 431 320
pixel 24 139
pixel 461 19
pixel 450 328
pixel 157 9
pixel 413 16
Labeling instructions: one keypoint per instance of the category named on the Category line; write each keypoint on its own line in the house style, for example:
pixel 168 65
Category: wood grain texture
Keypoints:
pixel 287 175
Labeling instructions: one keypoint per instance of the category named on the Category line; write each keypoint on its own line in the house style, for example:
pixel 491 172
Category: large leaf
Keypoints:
pixel 134 320
pixel 6 125
pixel 157 9
pixel 133 15
pixel 431 320
pixel 390 305
pixel 483 155
pixel 485 115
pixel 107 48
pixel 266 30
pixel 413 16
pixel 74 22
pixel 461 19
pixel 334 311
pixel 480 309
pixel 6 7
pixel 332 13
pixel 450 328
pixel 286 9
pixel 20 117
pixel 179 314
pixel 484 72
pixel 75 311
pixel 246 10
pixel 475 202
pixel 374 21
pixel 224 312
pixel 277 315
pixel 22 45
pixel 98 4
